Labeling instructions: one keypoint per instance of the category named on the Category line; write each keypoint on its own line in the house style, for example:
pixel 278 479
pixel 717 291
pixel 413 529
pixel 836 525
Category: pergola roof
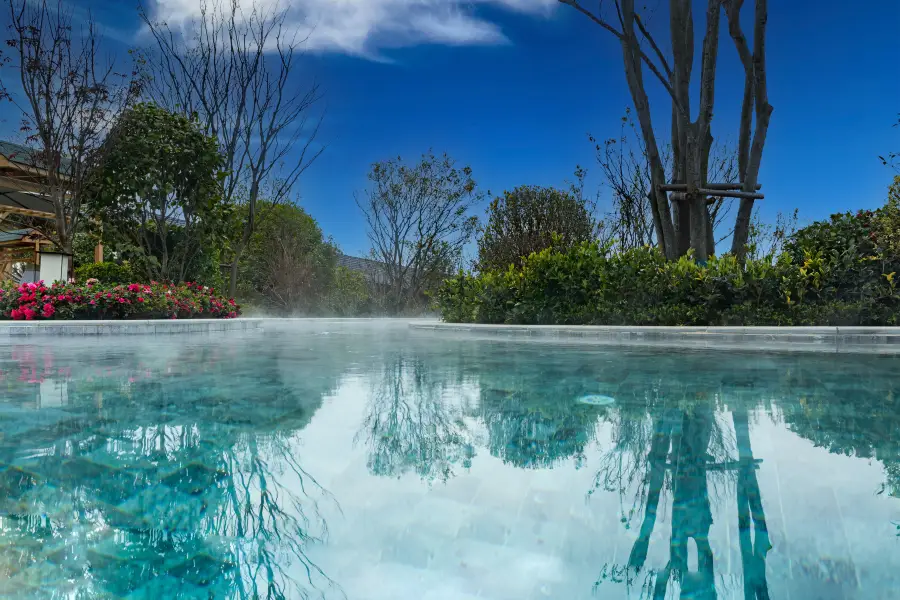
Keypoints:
pixel 27 157
pixel 14 235
pixel 25 203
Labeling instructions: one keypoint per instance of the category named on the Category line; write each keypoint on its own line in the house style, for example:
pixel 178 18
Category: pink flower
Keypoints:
pixel 121 300
pixel 140 299
pixel 48 311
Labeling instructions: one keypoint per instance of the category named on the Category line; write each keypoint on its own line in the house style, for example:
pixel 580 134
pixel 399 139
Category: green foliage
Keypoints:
pixel 349 295
pixel 526 220
pixel 858 252
pixel 158 191
pixel 844 271
pixel 887 223
pixel 418 223
pixel 83 244
pixel 107 273
pixel 288 266
pixel 586 285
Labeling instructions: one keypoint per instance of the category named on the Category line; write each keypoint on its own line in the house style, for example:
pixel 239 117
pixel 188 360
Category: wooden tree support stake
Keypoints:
pixel 682 187
pixel 718 190
pixel 729 194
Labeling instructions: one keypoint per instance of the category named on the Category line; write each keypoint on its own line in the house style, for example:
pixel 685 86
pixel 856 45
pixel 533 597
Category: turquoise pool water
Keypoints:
pixel 370 462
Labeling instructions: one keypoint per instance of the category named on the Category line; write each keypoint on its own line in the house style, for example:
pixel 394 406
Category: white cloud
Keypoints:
pixel 363 27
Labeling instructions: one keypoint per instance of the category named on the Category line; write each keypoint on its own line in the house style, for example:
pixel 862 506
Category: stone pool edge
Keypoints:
pixel 879 340
pixel 19 329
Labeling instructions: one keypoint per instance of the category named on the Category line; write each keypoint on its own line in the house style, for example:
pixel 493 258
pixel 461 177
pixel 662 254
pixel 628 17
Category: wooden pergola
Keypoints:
pixel 22 194
pixel 17 244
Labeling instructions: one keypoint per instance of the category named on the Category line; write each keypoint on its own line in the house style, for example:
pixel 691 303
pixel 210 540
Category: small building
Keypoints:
pixel 21 200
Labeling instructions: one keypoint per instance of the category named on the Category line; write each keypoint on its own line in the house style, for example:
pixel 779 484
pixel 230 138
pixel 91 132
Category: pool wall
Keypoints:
pixel 17 329
pixel 880 340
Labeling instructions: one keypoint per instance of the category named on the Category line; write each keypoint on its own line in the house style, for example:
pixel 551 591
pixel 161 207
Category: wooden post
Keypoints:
pixel 98 249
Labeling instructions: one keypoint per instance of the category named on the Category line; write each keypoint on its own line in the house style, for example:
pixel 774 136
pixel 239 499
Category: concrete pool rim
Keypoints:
pixel 884 340
pixel 19 329
pixel 881 340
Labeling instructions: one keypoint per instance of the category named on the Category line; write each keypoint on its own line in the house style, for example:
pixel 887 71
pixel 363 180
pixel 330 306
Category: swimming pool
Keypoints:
pixel 367 461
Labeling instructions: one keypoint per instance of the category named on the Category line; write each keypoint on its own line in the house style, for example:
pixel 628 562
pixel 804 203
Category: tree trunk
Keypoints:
pixel 754 76
pixel 233 276
pixel 662 216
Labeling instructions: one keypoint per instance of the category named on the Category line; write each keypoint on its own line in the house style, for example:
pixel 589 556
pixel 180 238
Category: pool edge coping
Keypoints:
pixel 831 339
pixel 20 329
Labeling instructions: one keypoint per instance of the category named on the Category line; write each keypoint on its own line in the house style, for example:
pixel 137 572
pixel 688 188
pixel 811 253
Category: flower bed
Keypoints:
pixel 93 300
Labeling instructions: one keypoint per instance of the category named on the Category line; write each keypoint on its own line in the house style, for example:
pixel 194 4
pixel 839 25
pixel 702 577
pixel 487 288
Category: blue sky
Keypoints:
pixel 513 87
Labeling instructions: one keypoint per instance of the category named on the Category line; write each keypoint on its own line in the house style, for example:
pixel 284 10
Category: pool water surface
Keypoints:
pixel 366 461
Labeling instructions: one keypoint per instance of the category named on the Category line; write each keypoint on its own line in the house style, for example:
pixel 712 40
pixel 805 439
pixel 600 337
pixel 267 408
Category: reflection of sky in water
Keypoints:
pixel 376 463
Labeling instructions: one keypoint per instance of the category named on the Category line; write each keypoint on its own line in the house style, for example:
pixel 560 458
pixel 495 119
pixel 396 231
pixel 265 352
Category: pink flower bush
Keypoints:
pixel 92 300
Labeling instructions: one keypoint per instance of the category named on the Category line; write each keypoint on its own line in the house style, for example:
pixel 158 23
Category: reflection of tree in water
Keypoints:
pixel 414 421
pixel 850 408
pixel 533 427
pixel 416 418
pixel 529 403
pixel 668 437
pixel 174 482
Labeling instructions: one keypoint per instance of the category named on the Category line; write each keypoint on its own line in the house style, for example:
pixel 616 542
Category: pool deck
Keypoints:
pixel 877 340
pixel 18 329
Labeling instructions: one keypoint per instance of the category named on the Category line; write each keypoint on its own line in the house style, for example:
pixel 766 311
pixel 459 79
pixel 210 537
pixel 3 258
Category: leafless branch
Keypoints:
pixel 68 101
pixel 240 72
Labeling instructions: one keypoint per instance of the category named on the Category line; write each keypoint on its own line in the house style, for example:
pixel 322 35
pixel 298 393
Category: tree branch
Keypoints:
pixel 643 56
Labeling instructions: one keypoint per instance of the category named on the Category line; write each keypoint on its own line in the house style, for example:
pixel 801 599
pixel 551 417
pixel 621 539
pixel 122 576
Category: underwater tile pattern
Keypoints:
pixel 360 460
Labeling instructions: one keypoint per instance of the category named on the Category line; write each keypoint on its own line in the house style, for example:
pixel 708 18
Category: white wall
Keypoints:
pixel 54 267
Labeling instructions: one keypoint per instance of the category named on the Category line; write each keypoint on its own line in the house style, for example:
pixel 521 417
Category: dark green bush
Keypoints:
pixel 843 271
pixel 108 273
pixel 587 284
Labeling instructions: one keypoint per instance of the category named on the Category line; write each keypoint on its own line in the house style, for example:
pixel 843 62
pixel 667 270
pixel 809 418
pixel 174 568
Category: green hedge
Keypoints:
pixel 107 273
pixel 839 272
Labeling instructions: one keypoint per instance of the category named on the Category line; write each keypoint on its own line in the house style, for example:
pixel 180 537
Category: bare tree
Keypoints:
pixel 418 222
pixel 627 172
pixel 68 99
pixel 238 70
pixel 681 222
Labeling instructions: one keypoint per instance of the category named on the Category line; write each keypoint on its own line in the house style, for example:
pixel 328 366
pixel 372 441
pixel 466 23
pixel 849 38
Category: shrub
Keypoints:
pixel 35 301
pixel 587 284
pixel 107 273
pixel 529 219
pixel 349 294
pixel 842 271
